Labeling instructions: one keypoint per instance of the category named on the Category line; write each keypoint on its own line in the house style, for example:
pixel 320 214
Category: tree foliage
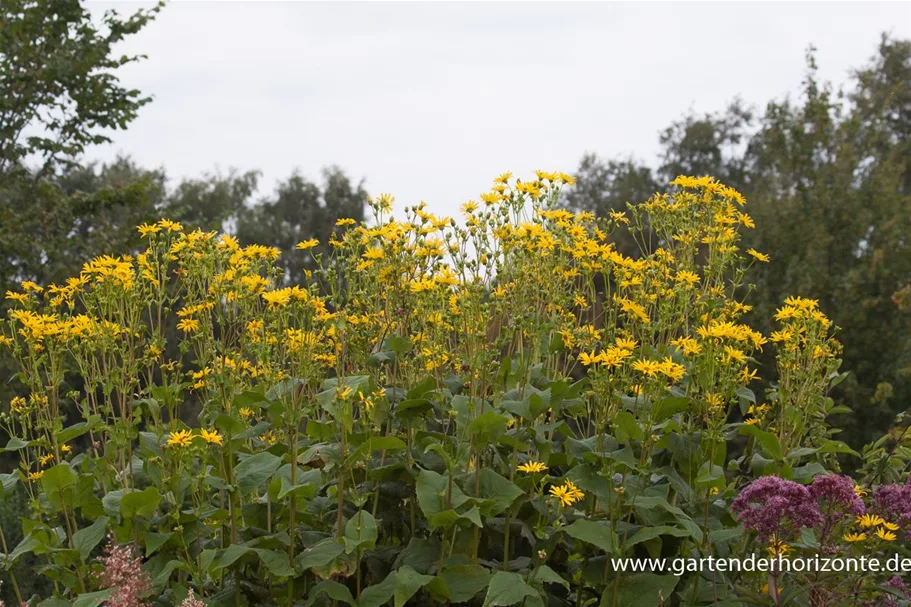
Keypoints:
pixel 828 179
pixel 59 89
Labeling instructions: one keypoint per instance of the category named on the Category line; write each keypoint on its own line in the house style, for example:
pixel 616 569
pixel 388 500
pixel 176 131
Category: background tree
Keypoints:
pixel 301 210
pixel 59 89
pixel 828 180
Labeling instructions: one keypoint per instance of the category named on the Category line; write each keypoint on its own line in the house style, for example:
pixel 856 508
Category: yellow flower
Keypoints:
pixel 469 207
pixel 20 297
pixel 212 437
pixel 146 229
pixel 778 548
pixel 65 449
pixel 562 493
pixel 890 526
pixel 532 466
pixel 46 458
pixel 589 359
pixel 626 343
pixel 246 412
pixel 574 491
pixel 346 221
pixel 188 325
pixel 18 405
pixel 887 536
pixel 859 491
pixel 870 520
pixel 759 256
pixel 181 438
pixel 855 537
pixel 307 244
pixel 33 476
pixel 170 226
pixel 647 367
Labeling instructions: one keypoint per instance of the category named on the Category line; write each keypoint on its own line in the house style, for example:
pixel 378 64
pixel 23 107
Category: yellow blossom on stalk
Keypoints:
pixel 181 438
pixel 574 491
pixel 188 325
pixel 689 345
pixel 343 393
pixel 278 298
pixel 884 535
pixel 589 359
pixel 531 466
pixel 245 412
pixel 859 491
pixel 778 548
pixel 65 448
pixel 18 405
pixel 855 537
pixel 212 437
pixel 563 494
pixel 21 298
pixel 170 226
pixel 672 370
pixel 469 207
pixel 34 476
pixel 345 221
pixel 890 526
pixel 648 367
pixel 307 244
pixel 45 459
pixel 687 277
pixel 146 229
pixel 870 520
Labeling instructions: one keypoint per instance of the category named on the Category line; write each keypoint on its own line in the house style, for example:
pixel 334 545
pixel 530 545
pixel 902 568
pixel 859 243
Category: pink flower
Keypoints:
pixel 192 601
pixel 774 507
pixel 123 574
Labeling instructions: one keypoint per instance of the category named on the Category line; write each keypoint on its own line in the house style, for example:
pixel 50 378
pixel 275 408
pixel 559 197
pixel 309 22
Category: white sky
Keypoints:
pixel 430 101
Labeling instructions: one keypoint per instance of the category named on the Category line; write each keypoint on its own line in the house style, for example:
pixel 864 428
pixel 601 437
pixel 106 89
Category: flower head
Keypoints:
pixel 870 520
pixel 532 466
pixel 122 572
pixel 210 436
pixel 181 438
pixel 773 506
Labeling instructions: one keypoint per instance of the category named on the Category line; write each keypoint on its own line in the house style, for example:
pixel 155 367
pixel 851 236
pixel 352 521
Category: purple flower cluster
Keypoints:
pixel 773 506
pixel 893 502
pixel 837 493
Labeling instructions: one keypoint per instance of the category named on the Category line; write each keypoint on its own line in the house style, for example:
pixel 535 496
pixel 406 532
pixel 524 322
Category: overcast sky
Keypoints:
pixel 430 101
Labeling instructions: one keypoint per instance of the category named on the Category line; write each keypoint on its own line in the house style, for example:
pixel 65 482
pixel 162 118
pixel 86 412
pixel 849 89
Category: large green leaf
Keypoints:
pixel 498 490
pixel 767 440
pixel 360 532
pixel 508 588
pixel 432 489
pixel 255 470
pixel 407 583
pixel 87 538
pixel 59 483
pixel 333 590
pixel 627 427
pixel 319 555
pixel 92 599
pixel 641 590
pixel 465 581
pixel 594 533
pixel 646 533
pixel 143 503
